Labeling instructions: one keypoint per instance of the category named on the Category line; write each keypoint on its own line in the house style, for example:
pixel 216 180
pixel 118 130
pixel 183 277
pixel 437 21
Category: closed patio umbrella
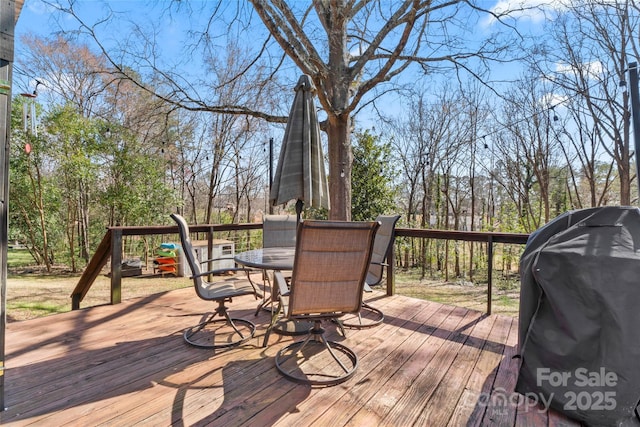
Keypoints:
pixel 300 173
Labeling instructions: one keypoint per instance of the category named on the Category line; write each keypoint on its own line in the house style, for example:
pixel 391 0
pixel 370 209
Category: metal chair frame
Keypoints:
pixel 327 282
pixel 383 243
pixel 277 231
pixel 221 292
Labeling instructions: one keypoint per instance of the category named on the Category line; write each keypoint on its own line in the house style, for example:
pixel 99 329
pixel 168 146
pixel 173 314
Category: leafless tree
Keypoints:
pixel 527 150
pixel 429 140
pixel 591 177
pixel 65 71
pixel 594 42
pixel 354 51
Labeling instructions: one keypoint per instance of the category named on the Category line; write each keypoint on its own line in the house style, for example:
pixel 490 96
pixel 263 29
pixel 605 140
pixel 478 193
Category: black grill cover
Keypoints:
pixel 579 330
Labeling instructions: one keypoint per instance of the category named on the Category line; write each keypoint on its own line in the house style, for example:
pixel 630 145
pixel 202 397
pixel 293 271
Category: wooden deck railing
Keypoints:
pixel 468 236
pixel 111 248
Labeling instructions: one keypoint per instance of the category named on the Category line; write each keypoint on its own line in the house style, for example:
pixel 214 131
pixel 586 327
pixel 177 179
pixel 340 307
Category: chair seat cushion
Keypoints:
pixel 226 288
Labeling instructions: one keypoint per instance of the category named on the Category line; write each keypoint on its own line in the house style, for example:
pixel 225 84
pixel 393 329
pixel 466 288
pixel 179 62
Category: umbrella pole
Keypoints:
pixel 299 204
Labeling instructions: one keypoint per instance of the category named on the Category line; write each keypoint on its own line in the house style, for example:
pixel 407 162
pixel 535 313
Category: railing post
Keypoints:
pixel 210 252
pixel 116 266
pixel 391 279
pixel 489 272
pixel 75 302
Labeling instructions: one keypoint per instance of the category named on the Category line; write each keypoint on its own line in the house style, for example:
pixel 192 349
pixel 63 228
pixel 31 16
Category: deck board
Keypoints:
pixel 427 364
pixel 439 408
pixel 378 356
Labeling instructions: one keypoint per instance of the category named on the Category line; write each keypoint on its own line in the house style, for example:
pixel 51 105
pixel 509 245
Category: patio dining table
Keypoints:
pixel 274 259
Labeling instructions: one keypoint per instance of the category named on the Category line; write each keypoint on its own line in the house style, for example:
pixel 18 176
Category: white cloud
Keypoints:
pixel 591 69
pixel 551 100
pixel 534 11
pixel 38 7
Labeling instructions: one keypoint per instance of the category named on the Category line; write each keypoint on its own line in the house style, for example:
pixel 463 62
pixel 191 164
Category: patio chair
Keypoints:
pixel 330 267
pixel 278 231
pixel 211 332
pixel 370 316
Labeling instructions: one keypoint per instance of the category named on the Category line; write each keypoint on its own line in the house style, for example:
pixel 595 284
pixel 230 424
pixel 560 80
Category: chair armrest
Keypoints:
pixel 283 288
pixel 223 270
pixel 216 259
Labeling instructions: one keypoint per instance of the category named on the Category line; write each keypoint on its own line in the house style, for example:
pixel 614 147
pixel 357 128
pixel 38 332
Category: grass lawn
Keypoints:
pixel 34 293
pixel 506 293
pixel 19 258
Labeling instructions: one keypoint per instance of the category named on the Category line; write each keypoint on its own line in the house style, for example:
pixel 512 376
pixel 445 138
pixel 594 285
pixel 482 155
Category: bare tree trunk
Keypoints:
pixel 72 220
pixel 340 163
pixel 36 185
pixel 83 223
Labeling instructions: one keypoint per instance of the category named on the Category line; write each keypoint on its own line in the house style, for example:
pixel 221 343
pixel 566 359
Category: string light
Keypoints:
pixel 555 117
pixel 621 83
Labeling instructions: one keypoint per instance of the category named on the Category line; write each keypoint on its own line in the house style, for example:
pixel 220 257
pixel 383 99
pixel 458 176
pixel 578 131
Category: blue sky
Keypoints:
pixel 39 19
pixel 36 17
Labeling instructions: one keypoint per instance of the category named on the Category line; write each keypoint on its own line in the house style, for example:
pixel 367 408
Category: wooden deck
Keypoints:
pixel 428 364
